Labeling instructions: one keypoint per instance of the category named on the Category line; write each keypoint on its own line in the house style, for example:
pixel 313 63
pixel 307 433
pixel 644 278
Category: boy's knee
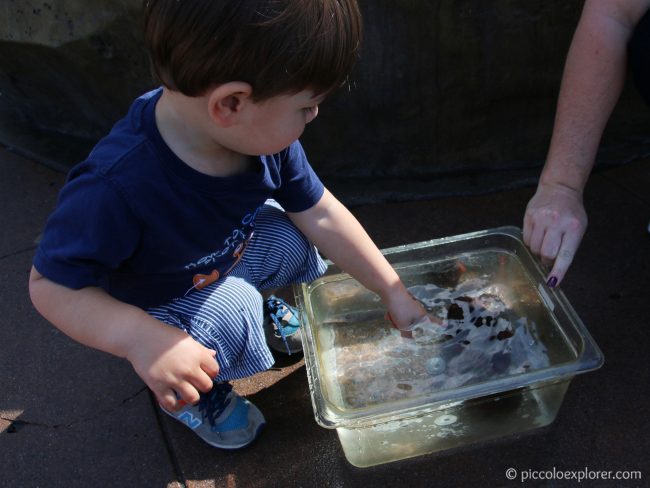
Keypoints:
pixel 236 304
pixel 272 215
pixel 280 253
pixel 274 224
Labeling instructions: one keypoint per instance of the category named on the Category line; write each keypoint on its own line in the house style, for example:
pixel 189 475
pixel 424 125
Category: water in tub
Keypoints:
pixel 490 320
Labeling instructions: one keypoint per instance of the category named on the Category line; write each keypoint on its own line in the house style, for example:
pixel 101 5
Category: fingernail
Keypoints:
pixel 552 282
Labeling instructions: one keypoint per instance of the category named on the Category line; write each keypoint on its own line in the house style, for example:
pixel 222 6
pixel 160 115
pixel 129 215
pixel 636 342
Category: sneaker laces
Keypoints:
pixel 278 309
pixel 213 403
pixel 280 328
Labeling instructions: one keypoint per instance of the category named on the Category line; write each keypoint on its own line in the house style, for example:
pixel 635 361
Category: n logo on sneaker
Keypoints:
pixel 190 420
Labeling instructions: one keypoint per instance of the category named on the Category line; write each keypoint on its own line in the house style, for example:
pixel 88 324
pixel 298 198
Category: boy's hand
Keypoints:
pixel 403 311
pixel 169 361
pixel 173 365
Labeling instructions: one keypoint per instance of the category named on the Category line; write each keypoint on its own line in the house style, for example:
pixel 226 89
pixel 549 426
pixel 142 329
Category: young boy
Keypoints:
pixel 163 237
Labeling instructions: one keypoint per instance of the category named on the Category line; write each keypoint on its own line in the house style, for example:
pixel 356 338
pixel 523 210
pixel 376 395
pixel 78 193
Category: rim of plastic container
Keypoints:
pixel 328 415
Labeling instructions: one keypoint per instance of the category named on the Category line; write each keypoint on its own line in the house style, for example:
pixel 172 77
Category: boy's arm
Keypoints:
pixel 167 359
pixel 340 237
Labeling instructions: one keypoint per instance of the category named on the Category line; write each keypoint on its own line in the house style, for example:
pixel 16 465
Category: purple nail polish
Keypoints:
pixel 552 282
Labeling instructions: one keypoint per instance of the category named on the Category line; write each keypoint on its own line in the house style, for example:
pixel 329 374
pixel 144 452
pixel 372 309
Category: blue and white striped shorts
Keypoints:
pixel 227 315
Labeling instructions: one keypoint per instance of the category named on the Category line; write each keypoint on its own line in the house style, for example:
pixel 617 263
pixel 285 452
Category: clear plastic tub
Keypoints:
pixel 499 362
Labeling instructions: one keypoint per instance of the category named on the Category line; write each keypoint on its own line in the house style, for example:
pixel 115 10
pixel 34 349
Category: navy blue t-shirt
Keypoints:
pixel 138 222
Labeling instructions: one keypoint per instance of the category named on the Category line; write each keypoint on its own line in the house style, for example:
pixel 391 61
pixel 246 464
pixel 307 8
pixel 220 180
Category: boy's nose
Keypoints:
pixel 312 114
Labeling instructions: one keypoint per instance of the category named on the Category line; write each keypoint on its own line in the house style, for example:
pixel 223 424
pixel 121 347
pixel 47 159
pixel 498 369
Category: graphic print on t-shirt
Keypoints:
pixel 235 244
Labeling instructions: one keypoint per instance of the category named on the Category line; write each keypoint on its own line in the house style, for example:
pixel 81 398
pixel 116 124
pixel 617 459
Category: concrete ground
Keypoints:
pixel 71 416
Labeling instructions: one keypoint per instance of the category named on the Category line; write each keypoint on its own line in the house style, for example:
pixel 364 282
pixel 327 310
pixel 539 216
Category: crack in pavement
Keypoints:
pixel 16 253
pixel 17 424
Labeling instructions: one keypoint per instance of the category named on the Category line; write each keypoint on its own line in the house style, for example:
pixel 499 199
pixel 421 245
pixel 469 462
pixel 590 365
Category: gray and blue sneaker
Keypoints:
pixel 222 418
pixel 282 326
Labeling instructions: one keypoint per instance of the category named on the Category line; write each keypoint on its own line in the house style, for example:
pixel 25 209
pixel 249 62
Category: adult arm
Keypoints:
pixel 168 360
pixel 594 74
pixel 340 237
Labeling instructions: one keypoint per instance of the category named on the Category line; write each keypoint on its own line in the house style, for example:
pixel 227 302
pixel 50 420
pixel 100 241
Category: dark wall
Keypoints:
pixel 450 96
pixel 68 71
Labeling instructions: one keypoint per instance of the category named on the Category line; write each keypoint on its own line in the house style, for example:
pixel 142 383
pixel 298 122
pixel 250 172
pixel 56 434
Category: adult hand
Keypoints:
pixel 554 223
pixel 173 365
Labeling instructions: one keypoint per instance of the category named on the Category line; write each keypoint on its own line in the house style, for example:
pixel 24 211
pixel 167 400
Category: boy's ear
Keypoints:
pixel 226 102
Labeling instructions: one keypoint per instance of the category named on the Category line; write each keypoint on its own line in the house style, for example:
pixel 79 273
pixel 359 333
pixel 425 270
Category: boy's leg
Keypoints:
pixel 278 253
pixel 225 316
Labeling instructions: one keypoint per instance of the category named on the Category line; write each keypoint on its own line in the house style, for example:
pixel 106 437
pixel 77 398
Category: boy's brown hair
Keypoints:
pixel 277 46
